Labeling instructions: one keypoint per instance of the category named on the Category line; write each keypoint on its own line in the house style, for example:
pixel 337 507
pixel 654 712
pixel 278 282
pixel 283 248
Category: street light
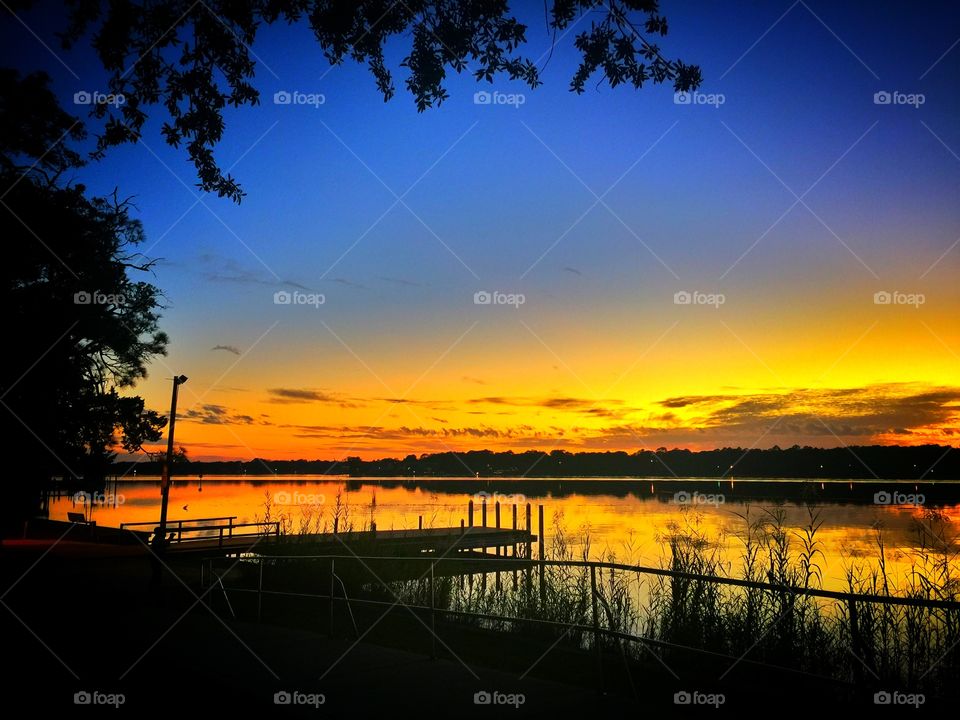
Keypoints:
pixel 165 480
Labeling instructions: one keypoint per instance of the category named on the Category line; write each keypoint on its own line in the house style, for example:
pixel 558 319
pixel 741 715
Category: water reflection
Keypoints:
pixel 628 520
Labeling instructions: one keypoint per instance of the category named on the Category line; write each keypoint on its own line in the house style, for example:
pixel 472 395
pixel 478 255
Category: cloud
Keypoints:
pixel 212 414
pixel 288 396
pixel 826 416
pixel 381 433
pixel 229 348
pixel 217 268
pixel 890 413
pixel 398 281
pixel 606 407
pixel 572 270
pixel 684 401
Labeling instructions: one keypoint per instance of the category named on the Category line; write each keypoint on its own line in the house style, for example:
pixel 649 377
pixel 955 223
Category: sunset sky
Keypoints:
pixel 794 201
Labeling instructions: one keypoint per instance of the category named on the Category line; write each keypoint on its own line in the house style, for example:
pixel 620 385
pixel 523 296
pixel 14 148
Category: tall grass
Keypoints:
pixel 893 647
pixel 887 646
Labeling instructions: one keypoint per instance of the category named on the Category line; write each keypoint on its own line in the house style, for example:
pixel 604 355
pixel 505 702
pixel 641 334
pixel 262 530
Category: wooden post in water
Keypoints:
pixel 483 522
pixel 543 588
pixel 529 530
pixel 514 572
pixel 420 523
pixel 529 550
pixel 470 513
pixel 540 539
pixel 496 515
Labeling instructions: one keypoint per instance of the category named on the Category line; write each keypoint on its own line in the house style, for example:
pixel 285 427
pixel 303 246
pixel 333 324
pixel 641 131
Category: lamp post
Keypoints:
pixel 165 480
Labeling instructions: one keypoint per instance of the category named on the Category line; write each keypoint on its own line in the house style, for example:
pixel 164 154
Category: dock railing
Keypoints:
pixel 222 528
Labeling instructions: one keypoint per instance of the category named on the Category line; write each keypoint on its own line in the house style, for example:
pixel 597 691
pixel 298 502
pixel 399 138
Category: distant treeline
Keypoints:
pixel 927 462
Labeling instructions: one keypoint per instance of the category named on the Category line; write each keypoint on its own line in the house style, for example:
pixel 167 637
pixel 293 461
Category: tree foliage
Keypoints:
pixel 81 327
pixel 195 59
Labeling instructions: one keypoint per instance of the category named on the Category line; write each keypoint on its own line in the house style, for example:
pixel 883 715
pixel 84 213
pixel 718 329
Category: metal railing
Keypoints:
pixel 192 533
pixel 595 628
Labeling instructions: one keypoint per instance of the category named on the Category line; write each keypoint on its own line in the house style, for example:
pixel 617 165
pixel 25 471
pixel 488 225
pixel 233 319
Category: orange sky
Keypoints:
pixel 531 378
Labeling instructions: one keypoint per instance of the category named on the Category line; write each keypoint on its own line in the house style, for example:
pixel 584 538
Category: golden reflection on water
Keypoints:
pixel 630 528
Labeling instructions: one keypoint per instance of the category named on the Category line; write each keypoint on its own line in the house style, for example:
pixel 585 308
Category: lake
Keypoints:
pixel 624 518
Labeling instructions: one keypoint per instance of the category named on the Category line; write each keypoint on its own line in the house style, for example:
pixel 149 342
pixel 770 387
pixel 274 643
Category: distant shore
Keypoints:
pixel 921 463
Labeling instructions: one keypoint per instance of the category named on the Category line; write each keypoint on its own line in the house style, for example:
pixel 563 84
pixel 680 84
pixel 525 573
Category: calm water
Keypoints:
pixel 630 524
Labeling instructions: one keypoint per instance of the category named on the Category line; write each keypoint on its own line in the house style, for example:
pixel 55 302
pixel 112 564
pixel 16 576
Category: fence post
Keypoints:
pixel 483 511
pixel 496 514
pixel 330 629
pixel 260 591
pixel 221 536
pixel 855 643
pixel 433 615
pixel 596 625
pixel 231 526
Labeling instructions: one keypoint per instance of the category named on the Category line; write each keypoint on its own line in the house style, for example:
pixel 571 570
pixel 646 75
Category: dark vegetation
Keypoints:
pixel 924 462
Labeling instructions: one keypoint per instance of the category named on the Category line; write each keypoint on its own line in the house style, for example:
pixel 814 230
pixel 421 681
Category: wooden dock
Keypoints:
pixel 502 541
pixel 224 536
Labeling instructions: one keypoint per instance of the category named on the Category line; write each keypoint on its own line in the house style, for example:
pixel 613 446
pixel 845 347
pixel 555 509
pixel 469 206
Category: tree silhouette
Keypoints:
pixel 81 329
pixel 194 58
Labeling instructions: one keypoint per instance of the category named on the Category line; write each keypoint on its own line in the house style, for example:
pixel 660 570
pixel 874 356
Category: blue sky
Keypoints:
pixel 504 187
